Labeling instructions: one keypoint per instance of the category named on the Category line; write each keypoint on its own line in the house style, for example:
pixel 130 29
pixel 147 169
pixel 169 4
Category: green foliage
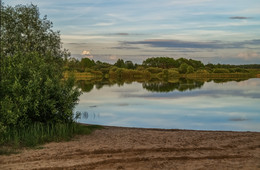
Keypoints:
pixel 220 70
pixel 34 91
pixel 87 63
pixel 39 133
pixel 183 68
pixel 129 65
pixel 173 73
pixel 23 30
pixel 202 71
pixel 161 62
pixel 190 69
pixel 120 63
pixel 127 74
pixel 32 85
pixel 154 70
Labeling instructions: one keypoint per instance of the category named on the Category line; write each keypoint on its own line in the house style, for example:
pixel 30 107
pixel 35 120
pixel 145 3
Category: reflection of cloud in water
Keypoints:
pixel 123 104
pixel 238 119
pixel 125 90
pixel 107 115
pixel 209 93
pixel 250 82
pixel 226 106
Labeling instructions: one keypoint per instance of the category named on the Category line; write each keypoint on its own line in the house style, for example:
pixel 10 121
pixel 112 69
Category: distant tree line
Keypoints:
pixel 155 65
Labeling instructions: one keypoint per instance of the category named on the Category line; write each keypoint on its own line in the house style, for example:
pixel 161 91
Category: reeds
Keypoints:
pixel 39 133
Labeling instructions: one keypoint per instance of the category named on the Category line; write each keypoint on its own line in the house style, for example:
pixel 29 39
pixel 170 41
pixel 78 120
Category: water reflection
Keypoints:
pixel 204 104
pixel 153 85
pixel 180 85
pixel 87 115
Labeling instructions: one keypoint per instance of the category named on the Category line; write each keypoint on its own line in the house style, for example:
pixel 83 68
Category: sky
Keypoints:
pixel 213 31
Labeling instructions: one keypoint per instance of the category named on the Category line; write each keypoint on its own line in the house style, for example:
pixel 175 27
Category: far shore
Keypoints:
pixel 141 148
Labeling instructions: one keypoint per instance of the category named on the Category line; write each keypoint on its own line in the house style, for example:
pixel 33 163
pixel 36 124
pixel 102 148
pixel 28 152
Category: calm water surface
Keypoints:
pixel 188 105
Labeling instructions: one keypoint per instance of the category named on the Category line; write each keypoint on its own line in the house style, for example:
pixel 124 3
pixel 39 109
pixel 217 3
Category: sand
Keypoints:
pixel 133 148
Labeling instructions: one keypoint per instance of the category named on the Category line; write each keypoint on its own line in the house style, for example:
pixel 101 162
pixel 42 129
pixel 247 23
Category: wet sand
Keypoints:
pixel 134 148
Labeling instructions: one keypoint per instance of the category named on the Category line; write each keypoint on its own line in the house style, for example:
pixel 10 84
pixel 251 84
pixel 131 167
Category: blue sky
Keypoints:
pixel 217 31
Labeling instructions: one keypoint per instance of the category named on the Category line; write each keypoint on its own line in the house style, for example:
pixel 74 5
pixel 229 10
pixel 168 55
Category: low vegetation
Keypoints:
pixel 36 103
pixel 39 133
pixel 156 67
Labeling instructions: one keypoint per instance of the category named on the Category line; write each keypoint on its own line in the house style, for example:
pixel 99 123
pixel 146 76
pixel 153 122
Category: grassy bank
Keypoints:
pixel 166 74
pixel 38 133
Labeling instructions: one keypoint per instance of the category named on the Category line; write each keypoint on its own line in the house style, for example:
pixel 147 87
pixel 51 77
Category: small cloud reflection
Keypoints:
pixel 123 104
pixel 237 119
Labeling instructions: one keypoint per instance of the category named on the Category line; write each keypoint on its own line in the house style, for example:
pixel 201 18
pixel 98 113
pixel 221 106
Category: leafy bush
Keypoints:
pixel 190 69
pixel 173 73
pixel 202 72
pixel 220 70
pixel 31 84
pixel 34 91
pixel 154 70
pixel 183 68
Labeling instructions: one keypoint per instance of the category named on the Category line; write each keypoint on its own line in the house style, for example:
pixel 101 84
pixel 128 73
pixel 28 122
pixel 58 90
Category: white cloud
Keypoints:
pixel 248 55
pixel 85 52
pixel 113 57
pixel 104 24
pixel 189 2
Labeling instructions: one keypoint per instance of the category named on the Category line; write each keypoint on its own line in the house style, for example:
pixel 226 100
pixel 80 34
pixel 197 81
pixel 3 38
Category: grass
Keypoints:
pixel 38 133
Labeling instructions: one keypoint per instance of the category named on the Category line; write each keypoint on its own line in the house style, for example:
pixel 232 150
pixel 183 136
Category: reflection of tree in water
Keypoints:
pixel 87 115
pixel 85 86
pixel 181 85
pixel 228 80
pixel 154 85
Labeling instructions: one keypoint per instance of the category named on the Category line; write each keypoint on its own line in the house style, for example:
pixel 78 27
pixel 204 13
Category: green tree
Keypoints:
pixel 120 63
pixel 190 69
pixel 183 68
pixel 220 70
pixel 32 85
pixel 87 63
pixel 161 62
pixel 129 65
pixel 23 30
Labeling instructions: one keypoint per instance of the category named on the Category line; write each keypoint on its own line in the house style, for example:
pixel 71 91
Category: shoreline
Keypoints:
pixel 141 148
pixel 162 129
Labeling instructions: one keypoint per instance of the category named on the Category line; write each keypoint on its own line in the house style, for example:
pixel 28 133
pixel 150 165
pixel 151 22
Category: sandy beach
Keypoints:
pixel 134 148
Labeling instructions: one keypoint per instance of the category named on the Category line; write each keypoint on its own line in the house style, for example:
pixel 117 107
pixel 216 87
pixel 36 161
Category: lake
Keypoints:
pixel 179 104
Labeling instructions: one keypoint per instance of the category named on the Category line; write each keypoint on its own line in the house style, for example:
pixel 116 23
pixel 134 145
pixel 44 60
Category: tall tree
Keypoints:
pixel 32 85
pixel 22 30
pixel 120 63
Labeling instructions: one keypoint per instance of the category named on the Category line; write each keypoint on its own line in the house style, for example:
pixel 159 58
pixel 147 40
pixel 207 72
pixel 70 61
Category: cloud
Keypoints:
pixel 239 17
pixel 104 24
pixel 113 57
pixel 168 43
pixel 125 48
pixel 248 55
pixel 122 33
pixel 85 52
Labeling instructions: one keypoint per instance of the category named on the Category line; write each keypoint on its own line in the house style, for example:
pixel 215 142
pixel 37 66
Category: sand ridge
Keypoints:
pixel 134 148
